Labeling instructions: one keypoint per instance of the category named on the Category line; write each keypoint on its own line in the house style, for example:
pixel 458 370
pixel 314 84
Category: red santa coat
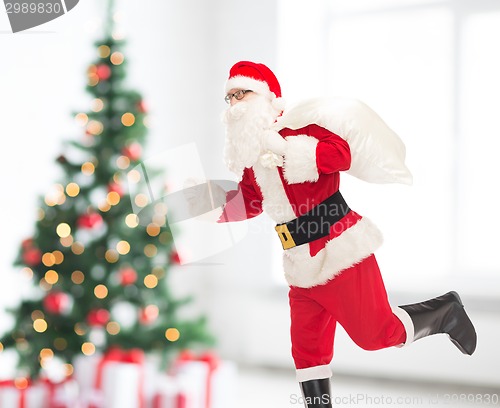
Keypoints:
pixel 313 159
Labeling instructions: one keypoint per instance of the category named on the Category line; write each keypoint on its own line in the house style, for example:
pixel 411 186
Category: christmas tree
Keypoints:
pixel 99 273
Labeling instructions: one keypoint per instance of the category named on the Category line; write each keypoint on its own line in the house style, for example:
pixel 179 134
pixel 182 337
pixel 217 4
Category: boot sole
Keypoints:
pixel 458 333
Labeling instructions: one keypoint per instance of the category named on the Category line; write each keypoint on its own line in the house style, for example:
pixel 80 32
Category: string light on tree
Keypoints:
pixel 88 168
pixel 80 329
pixel 72 189
pixel 27 273
pixel 21 383
pixel 101 291
pixel 132 220
pixel 150 250
pixel 77 248
pixel 153 229
pixel 150 281
pixel 63 230
pixel 104 51
pixel 95 127
pixel 93 78
pixel 113 198
pixel 82 119
pixel 117 58
pixel 48 259
pixel 128 119
pixel 172 334
pixel 112 256
pixel 97 105
pixel 123 247
pixel 51 277
pixel 40 325
pixel 66 241
pixel 88 348
pixel 123 162
pixel 113 328
pixel 77 277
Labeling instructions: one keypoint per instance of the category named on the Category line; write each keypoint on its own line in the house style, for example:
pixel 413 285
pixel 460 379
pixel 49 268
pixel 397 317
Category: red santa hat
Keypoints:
pixel 255 77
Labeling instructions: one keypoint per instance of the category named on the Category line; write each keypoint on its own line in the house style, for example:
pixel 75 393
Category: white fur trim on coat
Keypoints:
pixel 276 203
pixel 405 318
pixel 300 159
pixel 351 247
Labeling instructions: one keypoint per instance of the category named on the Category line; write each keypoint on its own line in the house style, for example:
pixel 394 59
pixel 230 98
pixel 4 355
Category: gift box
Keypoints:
pixel 211 382
pixel 173 392
pixel 112 380
pixel 224 385
pixel 15 394
pixel 62 394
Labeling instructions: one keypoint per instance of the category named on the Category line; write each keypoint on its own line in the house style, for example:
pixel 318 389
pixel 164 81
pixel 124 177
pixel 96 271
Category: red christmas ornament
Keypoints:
pixel 88 221
pixel 141 106
pixel 32 256
pixel 98 317
pixel 57 303
pixel 103 71
pixel 115 187
pixel 28 243
pixel 148 314
pixel 175 258
pixel 127 276
pixel 133 151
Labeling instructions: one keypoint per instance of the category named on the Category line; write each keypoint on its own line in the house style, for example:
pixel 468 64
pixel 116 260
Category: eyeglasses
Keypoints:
pixel 238 95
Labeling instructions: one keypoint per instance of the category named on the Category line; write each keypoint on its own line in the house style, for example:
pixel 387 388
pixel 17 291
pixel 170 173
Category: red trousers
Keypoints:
pixel 357 300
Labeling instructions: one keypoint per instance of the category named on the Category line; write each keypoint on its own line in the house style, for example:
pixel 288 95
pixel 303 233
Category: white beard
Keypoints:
pixel 245 123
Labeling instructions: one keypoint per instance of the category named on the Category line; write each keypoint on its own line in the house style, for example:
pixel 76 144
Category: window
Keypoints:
pixel 430 69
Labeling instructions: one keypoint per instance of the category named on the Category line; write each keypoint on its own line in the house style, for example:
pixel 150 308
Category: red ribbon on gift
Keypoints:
pixel 180 401
pixel 22 390
pixel 115 354
pixel 211 360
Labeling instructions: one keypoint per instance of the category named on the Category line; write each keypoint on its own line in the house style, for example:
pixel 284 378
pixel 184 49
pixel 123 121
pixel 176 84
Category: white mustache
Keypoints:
pixel 245 124
pixel 234 112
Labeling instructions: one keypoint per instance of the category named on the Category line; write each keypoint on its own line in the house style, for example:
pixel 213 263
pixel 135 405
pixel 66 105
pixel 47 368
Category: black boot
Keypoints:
pixel 316 393
pixel 444 314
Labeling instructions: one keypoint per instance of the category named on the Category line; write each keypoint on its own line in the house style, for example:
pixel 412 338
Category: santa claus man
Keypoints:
pixel 329 261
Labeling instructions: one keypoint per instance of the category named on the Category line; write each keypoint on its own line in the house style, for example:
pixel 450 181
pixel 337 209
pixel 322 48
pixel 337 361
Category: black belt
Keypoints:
pixel 314 224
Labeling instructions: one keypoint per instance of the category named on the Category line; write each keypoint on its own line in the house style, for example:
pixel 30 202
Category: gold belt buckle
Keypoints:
pixel 285 236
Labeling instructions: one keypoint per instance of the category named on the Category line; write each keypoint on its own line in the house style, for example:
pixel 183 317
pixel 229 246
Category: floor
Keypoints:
pixel 259 388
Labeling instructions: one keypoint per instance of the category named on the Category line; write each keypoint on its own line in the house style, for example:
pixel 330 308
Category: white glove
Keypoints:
pixel 273 141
